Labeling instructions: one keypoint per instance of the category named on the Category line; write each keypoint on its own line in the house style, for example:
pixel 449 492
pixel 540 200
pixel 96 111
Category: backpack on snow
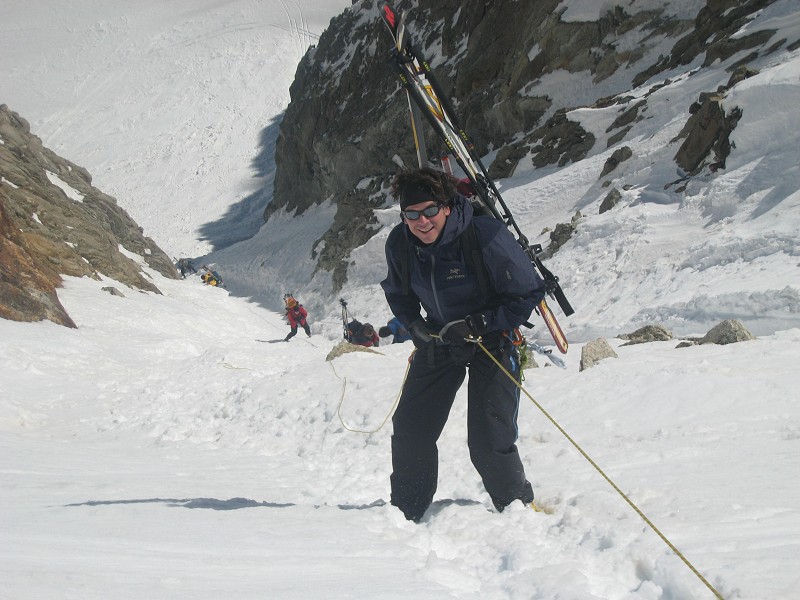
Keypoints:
pixel 353 329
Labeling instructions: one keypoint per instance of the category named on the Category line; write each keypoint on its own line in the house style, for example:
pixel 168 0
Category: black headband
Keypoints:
pixel 414 194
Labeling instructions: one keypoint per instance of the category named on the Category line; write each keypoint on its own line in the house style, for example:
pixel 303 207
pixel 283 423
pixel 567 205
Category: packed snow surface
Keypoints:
pixel 173 446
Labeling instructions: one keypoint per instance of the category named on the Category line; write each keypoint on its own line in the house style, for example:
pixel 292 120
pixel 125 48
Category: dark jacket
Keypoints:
pixel 442 284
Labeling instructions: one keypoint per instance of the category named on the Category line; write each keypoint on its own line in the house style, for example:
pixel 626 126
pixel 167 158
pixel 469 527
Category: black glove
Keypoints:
pixel 478 324
pixel 456 333
pixel 419 331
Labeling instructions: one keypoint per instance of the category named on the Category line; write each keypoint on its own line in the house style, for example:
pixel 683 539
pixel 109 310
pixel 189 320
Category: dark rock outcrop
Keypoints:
pixel 561 235
pixel 709 127
pixel 54 222
pixel 707 130
pixel 713 31
pixel 610 201
pixel 560 141
pixel 619 156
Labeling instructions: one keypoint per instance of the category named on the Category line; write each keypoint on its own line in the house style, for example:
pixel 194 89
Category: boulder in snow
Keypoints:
pixel 595 351
pixel 648 333
pixel 727 332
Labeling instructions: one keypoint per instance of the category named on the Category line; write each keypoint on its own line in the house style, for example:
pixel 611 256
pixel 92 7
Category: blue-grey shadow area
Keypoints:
pixel 217 504
pixel 243 219
pixel 782 181
pixel 375 504
pixel 211 503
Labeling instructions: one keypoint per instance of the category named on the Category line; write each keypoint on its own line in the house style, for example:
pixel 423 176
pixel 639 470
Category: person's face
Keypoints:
pixel 426 229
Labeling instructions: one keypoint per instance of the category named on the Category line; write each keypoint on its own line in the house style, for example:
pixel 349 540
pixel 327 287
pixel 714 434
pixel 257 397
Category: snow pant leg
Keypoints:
pixel 307 329
pixel 492 427
pixel 418 421
pixel 292 333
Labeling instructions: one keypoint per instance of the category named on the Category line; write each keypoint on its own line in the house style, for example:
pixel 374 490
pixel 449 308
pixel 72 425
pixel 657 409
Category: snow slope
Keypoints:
pixel 163 450
pixel 167 104
pixel 195 461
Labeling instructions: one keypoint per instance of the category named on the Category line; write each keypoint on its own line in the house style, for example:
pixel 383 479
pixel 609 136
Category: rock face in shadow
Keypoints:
pixel 53 222
pixel 709 128
pixel 619 156
pixel 348 115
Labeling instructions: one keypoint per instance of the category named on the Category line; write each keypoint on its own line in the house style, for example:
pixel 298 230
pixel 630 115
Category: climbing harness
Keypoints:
pixel 391 410
pixel 652 526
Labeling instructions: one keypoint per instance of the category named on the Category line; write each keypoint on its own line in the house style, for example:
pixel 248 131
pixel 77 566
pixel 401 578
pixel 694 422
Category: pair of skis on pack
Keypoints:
pixel 427 100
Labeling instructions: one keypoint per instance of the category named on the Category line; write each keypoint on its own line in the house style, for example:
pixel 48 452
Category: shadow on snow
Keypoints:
pixel 217 504
pixel 243 219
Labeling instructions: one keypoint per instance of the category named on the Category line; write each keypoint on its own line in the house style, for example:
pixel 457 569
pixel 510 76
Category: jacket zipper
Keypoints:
pixel 435 292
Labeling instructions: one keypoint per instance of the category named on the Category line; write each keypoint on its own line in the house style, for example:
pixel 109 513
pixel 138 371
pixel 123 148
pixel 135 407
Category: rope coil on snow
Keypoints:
pixel 385 419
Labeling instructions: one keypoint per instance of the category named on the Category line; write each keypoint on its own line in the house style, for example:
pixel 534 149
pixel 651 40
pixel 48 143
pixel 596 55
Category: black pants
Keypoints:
pixel 293 332
pixel 493 404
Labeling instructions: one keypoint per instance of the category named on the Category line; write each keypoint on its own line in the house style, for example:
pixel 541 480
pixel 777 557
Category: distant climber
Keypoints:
pixel 296 315
pixel 396 329
pixel 362 334
pixel 356 332
pixel 185 267
pixel 211 278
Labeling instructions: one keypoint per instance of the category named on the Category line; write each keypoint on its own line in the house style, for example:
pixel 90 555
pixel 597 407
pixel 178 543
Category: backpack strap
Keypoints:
pixel 406 257
pixel 473 256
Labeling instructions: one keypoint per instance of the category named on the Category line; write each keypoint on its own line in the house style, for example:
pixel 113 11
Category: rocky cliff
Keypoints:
pixel 348 116
pixel 53 222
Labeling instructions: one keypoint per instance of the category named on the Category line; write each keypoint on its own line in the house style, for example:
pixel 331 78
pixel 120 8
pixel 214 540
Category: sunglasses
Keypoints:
pixel 413 215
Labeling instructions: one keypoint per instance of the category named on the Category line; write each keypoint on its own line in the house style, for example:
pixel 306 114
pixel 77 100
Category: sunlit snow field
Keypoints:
pixel 167 449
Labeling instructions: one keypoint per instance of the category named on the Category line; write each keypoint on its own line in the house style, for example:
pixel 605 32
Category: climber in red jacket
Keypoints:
pixel 296 315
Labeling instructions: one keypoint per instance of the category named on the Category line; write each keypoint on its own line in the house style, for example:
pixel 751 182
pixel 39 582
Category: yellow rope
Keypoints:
pixel 599 470
pixel 386 418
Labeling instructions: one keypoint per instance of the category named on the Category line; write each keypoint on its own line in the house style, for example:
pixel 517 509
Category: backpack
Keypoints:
pixel 353 329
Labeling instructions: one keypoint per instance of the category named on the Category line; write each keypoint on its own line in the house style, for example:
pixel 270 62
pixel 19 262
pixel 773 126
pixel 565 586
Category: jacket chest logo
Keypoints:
pixel 455 273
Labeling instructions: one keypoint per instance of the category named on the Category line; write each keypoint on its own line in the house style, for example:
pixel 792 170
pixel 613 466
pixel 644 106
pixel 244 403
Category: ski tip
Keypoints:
pixel 389 15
